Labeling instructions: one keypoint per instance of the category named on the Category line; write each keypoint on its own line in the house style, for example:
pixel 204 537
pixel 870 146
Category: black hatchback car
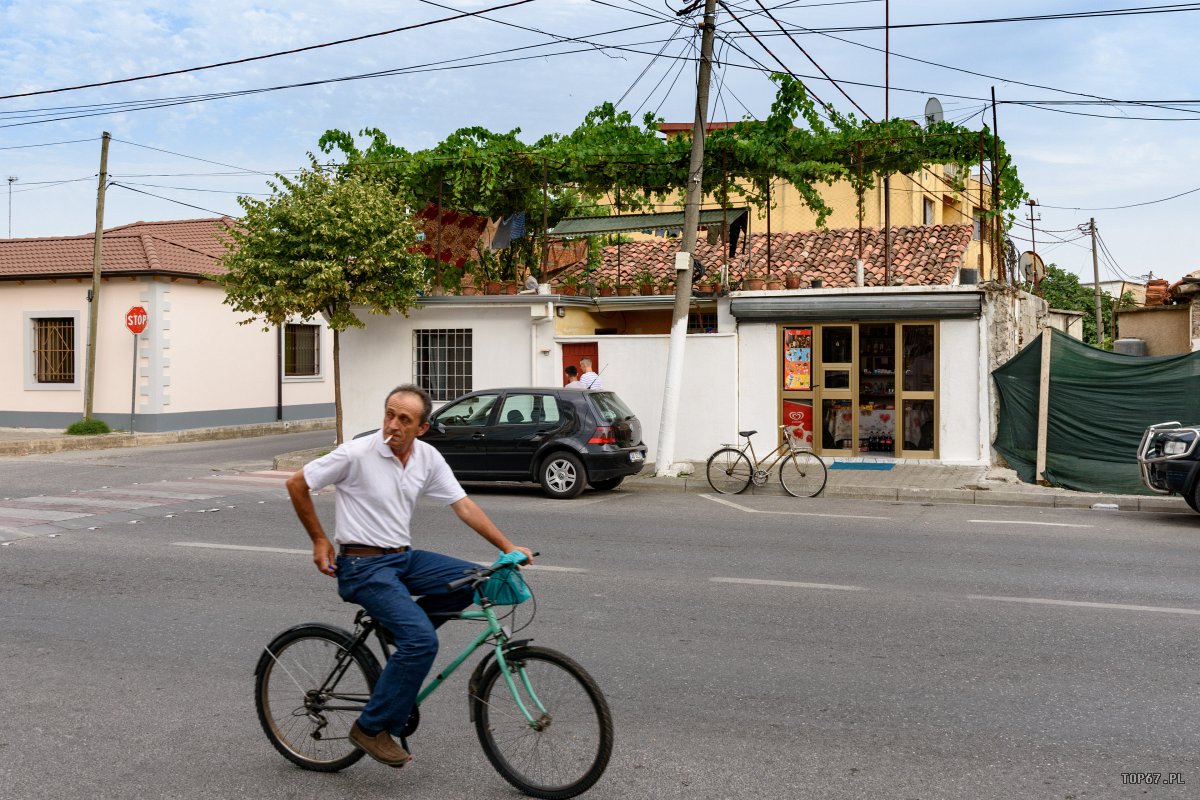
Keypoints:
pixel 1169 458
pixel 564 439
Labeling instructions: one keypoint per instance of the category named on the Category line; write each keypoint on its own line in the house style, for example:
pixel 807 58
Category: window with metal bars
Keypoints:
pixel 54 349
pixel 301 350
pixel 442 361
pixel 702 322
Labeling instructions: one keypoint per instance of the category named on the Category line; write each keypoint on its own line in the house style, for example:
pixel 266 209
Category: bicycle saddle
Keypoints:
pixel 747 434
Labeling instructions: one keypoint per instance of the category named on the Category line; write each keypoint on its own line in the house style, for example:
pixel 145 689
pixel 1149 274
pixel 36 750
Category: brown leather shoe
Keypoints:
pixel 381 747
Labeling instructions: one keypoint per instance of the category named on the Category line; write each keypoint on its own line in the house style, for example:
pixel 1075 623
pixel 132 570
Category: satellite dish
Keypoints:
pixel 933 112
pixel 1033 269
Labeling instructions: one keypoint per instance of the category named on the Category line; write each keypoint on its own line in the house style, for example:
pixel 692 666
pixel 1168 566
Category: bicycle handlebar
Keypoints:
pixel 478 576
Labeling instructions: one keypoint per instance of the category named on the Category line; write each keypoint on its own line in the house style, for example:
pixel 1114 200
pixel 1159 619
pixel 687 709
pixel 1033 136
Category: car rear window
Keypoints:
pixel 609 406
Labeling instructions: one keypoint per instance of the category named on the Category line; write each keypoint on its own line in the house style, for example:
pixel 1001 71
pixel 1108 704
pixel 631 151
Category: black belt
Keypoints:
pixel 369 550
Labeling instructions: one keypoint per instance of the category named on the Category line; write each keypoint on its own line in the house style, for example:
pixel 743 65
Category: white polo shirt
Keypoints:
pixel 376 494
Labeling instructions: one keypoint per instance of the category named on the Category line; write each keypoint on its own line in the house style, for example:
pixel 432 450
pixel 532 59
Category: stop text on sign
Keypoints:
pixel 136 319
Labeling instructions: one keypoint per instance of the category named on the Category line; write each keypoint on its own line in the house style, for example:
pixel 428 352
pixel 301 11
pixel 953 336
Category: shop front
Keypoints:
pixel 861 389
pixel 861 375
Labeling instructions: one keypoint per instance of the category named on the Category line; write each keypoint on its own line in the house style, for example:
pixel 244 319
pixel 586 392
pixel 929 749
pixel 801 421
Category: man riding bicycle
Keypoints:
pixel 379 479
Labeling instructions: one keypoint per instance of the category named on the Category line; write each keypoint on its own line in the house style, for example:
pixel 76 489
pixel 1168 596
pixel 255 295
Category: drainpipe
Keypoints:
pixel 279 373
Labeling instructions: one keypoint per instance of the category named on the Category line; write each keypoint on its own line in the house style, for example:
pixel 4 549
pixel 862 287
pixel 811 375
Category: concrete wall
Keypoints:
pixel 196 367
pixel 517 346
pixel 1166 330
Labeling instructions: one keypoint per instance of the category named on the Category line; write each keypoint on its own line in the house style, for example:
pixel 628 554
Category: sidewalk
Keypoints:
pixel 27 441
pixel 875 479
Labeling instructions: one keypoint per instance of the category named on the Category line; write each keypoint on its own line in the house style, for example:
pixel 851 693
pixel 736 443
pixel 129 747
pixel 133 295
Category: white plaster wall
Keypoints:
pixel 758 357
pixel 635 368
pixel 215 363
pixel 192 357
pixel 507 344
pixel 962 374
pixel 114 353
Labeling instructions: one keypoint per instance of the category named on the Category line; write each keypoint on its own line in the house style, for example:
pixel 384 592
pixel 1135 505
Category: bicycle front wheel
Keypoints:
pixel 729 471
pixel 310 687
pixel 803 474
pixel 564 750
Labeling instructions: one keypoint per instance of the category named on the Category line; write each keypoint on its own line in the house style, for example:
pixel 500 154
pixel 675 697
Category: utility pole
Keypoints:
pixel 1032 219
pixel 89 387
pixel 1096 278
pixel 665 457
pixel 11 180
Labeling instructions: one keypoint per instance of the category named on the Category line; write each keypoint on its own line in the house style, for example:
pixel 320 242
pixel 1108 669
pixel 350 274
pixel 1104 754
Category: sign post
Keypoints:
pixel 135 319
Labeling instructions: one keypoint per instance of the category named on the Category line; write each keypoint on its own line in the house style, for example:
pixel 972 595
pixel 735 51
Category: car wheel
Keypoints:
pixel 606 485
pixel 1193 497
pixel 562 476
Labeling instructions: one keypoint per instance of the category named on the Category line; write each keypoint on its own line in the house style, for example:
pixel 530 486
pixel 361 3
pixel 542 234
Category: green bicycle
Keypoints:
pixel 542 720
pixel 801 471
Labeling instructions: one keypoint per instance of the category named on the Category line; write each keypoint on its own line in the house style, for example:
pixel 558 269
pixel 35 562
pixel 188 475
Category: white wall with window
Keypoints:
pixel 194 365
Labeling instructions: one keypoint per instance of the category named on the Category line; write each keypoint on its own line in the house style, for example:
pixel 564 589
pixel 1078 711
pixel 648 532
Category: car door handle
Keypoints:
pixel 479 436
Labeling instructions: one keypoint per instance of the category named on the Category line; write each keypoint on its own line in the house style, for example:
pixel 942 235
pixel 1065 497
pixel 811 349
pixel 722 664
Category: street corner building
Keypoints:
pixel 193 366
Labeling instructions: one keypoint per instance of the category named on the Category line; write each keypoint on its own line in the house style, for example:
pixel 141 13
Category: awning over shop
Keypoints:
pixel 623 223
pixel 820 306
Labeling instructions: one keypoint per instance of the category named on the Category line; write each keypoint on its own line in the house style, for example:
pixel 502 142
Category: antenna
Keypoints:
pixel 933 112
pixel 11 180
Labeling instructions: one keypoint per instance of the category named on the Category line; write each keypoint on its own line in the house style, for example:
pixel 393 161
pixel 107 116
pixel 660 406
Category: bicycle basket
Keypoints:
pixel 506 587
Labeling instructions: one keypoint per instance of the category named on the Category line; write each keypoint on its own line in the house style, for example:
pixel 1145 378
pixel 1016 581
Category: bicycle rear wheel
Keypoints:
pixel 310 687
pixel 803 474
pixel 566 748
pixel 729 471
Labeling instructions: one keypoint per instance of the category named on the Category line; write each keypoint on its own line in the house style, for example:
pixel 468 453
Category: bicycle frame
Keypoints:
pixel 784 449
pixel 494 631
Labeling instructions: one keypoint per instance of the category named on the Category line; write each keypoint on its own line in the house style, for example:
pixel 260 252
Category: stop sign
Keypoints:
pixel 136 319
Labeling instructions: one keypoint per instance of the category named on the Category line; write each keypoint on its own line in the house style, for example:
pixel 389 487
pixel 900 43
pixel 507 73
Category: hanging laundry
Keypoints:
pixel 451 237
pixel 509 230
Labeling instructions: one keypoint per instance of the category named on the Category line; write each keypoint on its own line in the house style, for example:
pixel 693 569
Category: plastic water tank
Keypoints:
pixel 1130 346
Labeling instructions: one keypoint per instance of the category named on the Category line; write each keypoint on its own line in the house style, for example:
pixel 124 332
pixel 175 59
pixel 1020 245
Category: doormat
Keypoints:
pixel 875 465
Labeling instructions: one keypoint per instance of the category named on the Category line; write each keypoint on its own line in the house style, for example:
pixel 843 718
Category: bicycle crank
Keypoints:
pixel 760 477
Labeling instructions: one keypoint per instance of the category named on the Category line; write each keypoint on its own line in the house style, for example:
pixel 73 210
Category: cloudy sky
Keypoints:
pixel 200 138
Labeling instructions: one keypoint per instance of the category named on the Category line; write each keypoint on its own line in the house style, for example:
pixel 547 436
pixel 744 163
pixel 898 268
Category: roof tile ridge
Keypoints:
pixel 150 251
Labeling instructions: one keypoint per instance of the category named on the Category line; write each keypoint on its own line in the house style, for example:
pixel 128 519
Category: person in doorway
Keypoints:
pixel 589 378
pixel 573 381
pixel 379 479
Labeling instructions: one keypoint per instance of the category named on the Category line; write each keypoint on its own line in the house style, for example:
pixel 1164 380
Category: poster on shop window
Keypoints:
pixel 797 359
pixel 798 416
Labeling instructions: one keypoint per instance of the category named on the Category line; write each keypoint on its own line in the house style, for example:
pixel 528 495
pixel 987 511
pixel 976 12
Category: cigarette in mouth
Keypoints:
pixel 388 439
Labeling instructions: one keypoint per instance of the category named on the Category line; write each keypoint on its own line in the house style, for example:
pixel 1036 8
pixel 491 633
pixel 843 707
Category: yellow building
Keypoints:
pixel 927 197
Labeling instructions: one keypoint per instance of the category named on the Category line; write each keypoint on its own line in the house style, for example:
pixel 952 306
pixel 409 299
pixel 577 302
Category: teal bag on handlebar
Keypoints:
pixel 506 587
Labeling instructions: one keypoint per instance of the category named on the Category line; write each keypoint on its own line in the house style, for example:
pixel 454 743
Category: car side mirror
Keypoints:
pixel 440 428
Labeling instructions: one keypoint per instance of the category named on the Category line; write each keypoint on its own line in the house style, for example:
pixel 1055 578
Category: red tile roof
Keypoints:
pixel 189 247
pixel 921 256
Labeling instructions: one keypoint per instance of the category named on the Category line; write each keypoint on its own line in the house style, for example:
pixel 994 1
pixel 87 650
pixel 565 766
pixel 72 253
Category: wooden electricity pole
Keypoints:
pixel 89 386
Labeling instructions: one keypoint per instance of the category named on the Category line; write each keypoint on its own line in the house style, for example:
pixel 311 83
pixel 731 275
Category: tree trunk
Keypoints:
pixel 337 387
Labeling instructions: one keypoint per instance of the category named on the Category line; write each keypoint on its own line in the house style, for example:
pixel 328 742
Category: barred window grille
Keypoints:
pixel 442 361
pixel 54 349
pixel 702 322
pixel 302 350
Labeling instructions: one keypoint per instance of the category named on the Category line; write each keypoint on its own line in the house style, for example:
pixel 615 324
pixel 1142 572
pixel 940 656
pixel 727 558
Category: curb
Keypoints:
pixel 58 444
pixel 1044 498
pixel 1035 497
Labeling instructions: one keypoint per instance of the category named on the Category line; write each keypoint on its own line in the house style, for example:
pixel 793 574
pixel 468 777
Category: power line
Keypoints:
pixel 47 144
pixel 170 200
pixel 267 55
pixel 1121 208
pixel 194 158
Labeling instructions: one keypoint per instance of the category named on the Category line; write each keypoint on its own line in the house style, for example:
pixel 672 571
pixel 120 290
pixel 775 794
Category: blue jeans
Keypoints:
pixel 384 586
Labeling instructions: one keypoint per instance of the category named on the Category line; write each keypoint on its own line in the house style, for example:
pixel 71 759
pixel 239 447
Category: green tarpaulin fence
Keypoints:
pixel 1100 404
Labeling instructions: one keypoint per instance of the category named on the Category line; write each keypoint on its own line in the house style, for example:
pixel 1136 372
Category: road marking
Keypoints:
pixel 739 507
pixel 1023 522
pixel 1081 604
pixel 793 584
pixel 251 548
pixel 537 567
pixel 293 551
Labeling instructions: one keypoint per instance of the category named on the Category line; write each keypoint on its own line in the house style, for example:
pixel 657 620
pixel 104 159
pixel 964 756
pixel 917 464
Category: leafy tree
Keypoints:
pixel 319 245
pixel 1062 290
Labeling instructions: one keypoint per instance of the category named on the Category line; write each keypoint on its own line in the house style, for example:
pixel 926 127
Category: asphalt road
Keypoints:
pixel 757 647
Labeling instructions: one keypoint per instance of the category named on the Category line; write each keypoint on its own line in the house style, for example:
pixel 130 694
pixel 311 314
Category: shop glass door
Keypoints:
pixel 918 389
pixel 838 430
pixel 877 389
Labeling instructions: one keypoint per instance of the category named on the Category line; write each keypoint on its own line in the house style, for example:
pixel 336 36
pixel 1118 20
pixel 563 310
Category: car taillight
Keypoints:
pixel 603 435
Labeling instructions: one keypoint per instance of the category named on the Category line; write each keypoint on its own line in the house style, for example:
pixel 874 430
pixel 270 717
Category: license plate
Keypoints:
pixel 636 458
